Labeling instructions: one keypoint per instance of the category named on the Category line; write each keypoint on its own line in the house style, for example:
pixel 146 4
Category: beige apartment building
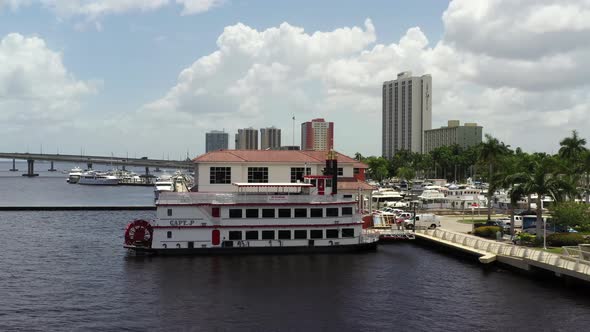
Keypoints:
pixel 469 134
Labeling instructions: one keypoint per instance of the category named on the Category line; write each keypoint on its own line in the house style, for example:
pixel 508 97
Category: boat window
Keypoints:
pixel 284 213
pixel 235 213
pixel 347 196
pixel 219 175
pixel 300 234
pixel 235 235
pixel 257 174
pixel 169 212
pixel 297 173
pixel 348 232
pixel 316 234
pixel 268 213
pixel 331 212
pixel 269 235
pixel 347 211
pixel 215 212
pixel 284 235
pixel 313 182
pixel 169 234
pixel 251 213
pixel 300 213
pixel 251 235
pixel 316 212
pixel 331 233
pixel 329 183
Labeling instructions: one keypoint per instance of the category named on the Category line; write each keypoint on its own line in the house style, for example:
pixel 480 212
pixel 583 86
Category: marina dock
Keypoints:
pixel 575 264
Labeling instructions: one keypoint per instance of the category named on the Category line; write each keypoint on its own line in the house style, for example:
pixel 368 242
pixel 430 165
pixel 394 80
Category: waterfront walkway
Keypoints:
pixel 516 256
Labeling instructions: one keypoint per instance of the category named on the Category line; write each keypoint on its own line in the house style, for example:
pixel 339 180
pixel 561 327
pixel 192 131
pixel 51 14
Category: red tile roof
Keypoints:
pixel 353 184
pixel 273 156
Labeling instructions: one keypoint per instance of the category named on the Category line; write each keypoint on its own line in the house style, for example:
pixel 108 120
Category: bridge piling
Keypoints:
pixel 13 169
pixel 52 169
pixel 30 169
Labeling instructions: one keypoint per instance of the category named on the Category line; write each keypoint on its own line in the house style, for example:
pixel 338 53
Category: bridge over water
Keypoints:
pixel 90 160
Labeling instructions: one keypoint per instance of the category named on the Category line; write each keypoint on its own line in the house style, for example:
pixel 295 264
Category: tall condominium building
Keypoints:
pixel 318 135
pixel 464 136
pixel 216 140
pixel 407 113
pixel 247 139
pixel 270 138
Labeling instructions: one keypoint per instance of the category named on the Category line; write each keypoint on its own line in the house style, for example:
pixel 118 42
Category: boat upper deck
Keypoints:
pixel 195 198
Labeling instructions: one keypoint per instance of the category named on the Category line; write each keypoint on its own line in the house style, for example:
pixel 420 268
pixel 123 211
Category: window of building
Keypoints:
pixel 284 213
pixel 268 213
pixel 235 213
pixel 340 171
pixel 316 212
pixel 284 235
pixel 257 174
pixel 316 234
pixel 356 171
pixel 300 213
pixel 347 211
pixel 235 235
pixel 300 234
pixel 219 175
pixel 348 232
pixel 269 235
pixel 169 212
pixel 331 233
pixel 251 235
pixel 331 212
pixel 251 213
pixel 297 173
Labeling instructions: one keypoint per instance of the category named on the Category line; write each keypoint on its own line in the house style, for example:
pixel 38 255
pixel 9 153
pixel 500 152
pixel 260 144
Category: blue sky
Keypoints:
pixel 130 62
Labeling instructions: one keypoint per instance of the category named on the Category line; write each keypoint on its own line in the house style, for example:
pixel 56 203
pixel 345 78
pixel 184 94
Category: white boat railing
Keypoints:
pixel 235 198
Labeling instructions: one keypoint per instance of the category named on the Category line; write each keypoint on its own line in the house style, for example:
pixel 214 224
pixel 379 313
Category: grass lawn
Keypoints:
pixel 555 250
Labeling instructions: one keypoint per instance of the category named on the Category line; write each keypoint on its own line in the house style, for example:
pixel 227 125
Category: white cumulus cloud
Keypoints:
pixel 35 86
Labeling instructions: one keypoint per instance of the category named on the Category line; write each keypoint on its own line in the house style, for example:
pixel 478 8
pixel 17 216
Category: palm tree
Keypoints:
pixel 491 152
pixel 585 158
pixel 572 148
pixel 542 181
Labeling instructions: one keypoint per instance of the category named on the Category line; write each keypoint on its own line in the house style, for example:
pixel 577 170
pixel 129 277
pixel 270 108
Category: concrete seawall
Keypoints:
pixel 519 257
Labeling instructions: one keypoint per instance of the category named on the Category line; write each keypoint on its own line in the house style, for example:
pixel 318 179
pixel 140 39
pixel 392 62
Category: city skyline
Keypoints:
pixel 151 78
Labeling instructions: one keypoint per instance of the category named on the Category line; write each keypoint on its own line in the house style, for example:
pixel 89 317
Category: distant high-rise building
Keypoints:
pixel 318 135
pixel 216 140
pixel 469 134
pixel 270 138
pixel 407 113
pixel 247 139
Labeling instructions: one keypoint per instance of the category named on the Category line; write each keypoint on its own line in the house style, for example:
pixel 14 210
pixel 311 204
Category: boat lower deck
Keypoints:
pixel 278 250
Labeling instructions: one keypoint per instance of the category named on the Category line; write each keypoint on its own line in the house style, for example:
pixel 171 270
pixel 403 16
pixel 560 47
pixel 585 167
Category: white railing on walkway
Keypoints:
pixel 575 259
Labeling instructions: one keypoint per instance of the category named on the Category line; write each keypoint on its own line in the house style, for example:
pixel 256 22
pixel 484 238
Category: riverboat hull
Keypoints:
pixel 349 248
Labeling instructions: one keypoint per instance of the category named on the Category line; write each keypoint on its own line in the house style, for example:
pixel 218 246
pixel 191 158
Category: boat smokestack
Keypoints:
pixel 332 169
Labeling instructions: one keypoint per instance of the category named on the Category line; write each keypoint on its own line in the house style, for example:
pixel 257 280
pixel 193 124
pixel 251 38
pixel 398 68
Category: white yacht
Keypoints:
pixel 74 175
pixel 96 178
pixel 163 183
pixel 386 197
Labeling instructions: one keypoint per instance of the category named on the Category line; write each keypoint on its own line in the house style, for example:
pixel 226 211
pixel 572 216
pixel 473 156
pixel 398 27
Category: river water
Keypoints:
pixel 68 271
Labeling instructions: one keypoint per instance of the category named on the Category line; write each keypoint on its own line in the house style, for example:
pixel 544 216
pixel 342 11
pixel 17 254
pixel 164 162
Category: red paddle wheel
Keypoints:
pixel 139 233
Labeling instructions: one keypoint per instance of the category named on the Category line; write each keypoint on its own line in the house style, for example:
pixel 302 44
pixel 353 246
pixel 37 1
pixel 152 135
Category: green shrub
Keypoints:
pixel 564 239
pixel 487 231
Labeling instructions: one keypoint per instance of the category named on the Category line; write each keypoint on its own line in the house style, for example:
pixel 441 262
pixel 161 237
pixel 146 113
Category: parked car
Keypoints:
pixel 551 228
pixel 427 220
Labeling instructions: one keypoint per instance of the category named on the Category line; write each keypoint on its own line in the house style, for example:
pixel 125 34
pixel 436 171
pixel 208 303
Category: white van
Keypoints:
pixel 428 220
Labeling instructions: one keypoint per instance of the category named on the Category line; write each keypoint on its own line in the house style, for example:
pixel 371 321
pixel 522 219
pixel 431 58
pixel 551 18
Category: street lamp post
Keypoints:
pixel 414 220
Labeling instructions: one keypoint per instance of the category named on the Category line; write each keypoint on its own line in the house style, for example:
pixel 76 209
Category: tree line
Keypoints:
pixel 564 176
